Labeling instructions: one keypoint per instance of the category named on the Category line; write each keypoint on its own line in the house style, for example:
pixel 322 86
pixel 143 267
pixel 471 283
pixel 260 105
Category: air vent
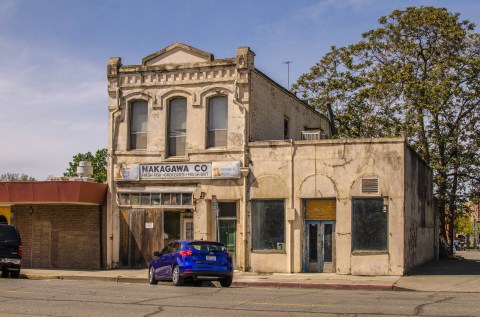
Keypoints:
pixel 311 135
pixel 369 185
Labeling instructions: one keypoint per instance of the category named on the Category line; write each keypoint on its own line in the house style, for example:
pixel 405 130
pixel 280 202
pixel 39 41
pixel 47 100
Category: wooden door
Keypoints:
pixel 141 235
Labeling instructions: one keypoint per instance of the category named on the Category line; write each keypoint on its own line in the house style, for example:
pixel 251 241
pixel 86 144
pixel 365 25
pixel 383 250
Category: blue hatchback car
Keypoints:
pixel 190 260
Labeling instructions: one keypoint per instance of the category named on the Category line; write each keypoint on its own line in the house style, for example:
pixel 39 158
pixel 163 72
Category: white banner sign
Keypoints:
pixel 126 172
pixel 226 169
pixel 176 170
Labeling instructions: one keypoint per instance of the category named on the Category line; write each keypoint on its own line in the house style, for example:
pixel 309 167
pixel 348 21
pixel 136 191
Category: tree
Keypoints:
pixel 99 164
pixel 16 177
pixel 416 76
pixel 464 224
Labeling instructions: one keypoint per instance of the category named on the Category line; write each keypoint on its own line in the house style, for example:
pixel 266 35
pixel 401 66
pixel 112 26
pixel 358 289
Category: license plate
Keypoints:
pixel 211 258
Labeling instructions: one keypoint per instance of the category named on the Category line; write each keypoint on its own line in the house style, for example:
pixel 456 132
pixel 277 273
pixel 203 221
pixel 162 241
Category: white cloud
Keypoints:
pixel 52 106
pixel 7 10
pixel 322 7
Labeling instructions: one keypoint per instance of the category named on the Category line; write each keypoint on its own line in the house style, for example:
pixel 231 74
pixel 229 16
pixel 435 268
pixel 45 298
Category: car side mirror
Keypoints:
pixel 156 253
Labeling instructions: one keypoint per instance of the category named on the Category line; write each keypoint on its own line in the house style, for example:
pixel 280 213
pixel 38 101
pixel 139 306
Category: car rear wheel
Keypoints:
pixel 226 281
pixel 15 274
pixel 4 273
pixel 151 276
pixel 177 280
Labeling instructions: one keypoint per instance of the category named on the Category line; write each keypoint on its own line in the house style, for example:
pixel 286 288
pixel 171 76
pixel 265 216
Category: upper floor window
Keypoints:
pixel 286 128
pixel 177 127
pixel 138 125
pixel 217 121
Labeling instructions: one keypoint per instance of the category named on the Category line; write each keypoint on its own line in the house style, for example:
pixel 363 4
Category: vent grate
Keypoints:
pixel 369 185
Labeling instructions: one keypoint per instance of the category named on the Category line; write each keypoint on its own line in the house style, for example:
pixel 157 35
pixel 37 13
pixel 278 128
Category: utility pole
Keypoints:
pixel 288 72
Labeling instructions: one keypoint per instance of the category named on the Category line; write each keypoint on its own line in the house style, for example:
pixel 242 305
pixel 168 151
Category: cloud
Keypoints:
pixel 323 7
pixel 53 105
pixel 7 10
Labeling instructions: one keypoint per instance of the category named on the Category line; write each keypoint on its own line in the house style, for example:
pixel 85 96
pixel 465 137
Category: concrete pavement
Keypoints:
pixel 459 274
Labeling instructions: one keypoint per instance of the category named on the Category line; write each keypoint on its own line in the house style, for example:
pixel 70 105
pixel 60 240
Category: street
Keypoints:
pixel 24 297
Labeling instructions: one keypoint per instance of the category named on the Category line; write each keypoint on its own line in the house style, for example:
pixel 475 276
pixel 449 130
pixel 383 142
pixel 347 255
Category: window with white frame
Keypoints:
pixel 217 121
pixel 268 225
pixel 369 224
pixel 138 125
pixel 177 127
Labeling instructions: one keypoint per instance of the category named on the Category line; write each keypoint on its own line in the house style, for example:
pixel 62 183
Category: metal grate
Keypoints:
pixel 369 185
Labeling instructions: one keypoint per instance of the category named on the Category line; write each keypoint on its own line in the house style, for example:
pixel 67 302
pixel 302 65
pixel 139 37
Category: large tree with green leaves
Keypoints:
pixel 417 76
pixel 99 164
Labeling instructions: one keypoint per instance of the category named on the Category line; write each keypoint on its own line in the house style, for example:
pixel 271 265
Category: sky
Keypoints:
pixel 54 53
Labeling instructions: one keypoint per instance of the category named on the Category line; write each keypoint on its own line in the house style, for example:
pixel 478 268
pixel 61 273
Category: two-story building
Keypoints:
pixel 214 149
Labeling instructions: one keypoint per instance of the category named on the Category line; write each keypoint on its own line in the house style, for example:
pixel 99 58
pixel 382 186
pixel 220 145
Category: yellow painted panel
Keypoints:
pixel 322 209
pixel 5 211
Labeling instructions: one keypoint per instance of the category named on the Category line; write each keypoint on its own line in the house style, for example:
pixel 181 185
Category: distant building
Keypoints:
pixel 213 149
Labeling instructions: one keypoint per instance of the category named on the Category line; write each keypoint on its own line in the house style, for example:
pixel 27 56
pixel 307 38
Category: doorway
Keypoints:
pixel 227 230
pixel 319 246
pixel 319 235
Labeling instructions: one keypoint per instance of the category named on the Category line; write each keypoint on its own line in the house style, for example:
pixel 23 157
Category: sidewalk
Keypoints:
pixel 461 274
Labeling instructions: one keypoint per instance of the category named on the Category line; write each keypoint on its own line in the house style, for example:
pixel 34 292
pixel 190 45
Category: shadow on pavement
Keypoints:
pixel 464 263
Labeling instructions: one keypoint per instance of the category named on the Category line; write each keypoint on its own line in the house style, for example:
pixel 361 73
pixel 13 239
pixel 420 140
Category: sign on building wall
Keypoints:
pixel 226 169
pixel 215 170
pixel 176 170
pixel 126 172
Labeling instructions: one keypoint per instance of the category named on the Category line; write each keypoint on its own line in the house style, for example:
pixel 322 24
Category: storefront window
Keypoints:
pixel 268 225
pixel 155 199
pixel 145 199
pixel 148 199
pixel 369 225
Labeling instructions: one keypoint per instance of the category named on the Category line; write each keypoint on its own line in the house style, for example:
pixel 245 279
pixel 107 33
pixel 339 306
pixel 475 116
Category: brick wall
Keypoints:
pixel 59 236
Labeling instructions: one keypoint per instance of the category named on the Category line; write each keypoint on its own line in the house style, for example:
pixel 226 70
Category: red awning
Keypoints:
pixel 52 192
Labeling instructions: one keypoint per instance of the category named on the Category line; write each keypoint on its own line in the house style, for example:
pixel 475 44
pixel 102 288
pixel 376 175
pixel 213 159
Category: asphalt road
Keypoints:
pixel 96 298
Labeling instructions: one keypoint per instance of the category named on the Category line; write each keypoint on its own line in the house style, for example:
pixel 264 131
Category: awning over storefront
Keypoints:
pixel 67 192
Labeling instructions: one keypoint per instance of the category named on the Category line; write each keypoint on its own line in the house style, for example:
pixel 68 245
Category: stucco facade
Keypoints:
pixel 213 149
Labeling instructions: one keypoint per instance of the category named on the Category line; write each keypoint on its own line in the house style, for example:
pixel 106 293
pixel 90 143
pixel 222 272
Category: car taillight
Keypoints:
pixel 20 250
pixel 185 253
pixel 229 255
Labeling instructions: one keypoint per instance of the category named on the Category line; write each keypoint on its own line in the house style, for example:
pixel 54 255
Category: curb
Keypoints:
pixel 117 279
pixel 369 287
pixel 277 284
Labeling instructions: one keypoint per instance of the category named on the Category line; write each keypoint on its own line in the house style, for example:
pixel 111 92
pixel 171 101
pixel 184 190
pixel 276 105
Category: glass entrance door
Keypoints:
pixel 319 246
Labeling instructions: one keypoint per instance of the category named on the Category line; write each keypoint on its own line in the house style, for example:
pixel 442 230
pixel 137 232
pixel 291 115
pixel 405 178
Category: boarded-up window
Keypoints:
pixel 324 209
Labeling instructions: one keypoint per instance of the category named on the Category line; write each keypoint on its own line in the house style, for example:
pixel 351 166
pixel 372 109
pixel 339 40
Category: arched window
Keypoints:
pixel 217 121
pixel 177 126
pixel 138 125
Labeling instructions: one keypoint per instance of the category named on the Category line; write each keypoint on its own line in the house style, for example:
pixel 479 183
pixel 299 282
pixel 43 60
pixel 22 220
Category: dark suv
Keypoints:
pixel 10 250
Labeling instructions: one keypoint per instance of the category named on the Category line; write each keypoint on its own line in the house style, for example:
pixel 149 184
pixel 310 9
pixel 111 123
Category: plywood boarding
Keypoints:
pixel 320 209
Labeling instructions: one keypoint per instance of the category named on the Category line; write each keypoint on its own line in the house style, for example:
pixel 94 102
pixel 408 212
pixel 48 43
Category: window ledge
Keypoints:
pixel 177 159
pixel 369 252
pixel 269 251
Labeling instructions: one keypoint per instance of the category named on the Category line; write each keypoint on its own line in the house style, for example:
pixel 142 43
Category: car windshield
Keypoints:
pixel 8 233
pixel 206 246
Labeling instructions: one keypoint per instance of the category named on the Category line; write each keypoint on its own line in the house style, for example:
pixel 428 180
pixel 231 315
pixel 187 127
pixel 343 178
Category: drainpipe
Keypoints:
pixel 245 173
pixel 112 186
pixel 292 207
